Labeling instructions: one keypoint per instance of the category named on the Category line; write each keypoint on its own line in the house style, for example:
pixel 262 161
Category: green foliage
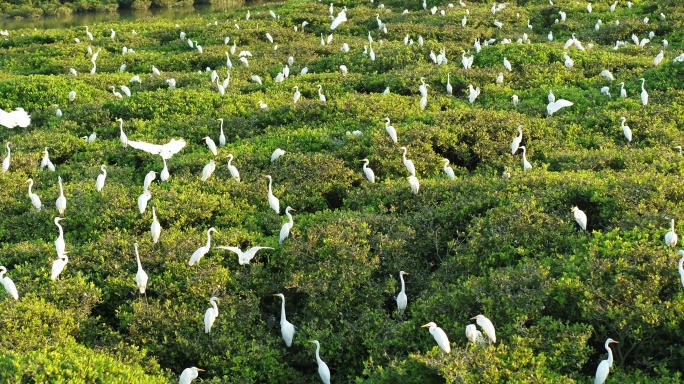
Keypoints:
pixel 508 248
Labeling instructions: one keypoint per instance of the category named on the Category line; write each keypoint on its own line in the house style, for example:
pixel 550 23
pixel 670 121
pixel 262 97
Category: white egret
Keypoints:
pixel 256 79
pixel 155 71
pixel 473 93
pixel 246 256
pixel 149 178
pixel 10 288
pixel 117 94
pixel 140 276
pixel 100 181
pixel 323 370
pixel 671 237
pixel 222 136
pixel 448 170
pixel 143 199
pixel 569 63
pixel 210 315
pixel 122 135
pixel 580 217
pixel 516 141
pixel 486 326
pixel 189 374
pixel 90 35
pixel 91 138
pixel 155 229
pixel 6 162
pixel 286 328
pixel 273 201
pixel 515 100
pixel 166 151
pixel 171 83
pixel 526 164
pixel 208 170
pixel 680 266
pixel 126 90
pixel 61 200
pixel 276 154
pixel 644 94
pixel 210 144
pixel 60 245
pixel 605 365
pixel 285 229
pixel 72 95
pixel 606 73
pixel 344 70
pixel 414 184
pixel 45 162
pixel 554 106
pixel 408 163
pixel 449 88
pixel 16 118
pixel 439 335
pixel 35 200
pixel 164 174
pixel 232 169
pixel 658 59
pixel 201 251
pixel 136 79
pixel 321 96
pixel 402 301
pixel 390 130
pixel 623 92
pixel 473 334
pixel 507 64
pixel 370 175
pixel 58 266
pixel 625 129
pixel 296 95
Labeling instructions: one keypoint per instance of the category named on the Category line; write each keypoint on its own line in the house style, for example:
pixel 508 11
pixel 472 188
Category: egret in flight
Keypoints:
pixel 323 370
pixel 201 251
pixel 286 328
pixel 439 335
pixel 605 365
pixel 246 256
pixel 166 151
pixel 16 118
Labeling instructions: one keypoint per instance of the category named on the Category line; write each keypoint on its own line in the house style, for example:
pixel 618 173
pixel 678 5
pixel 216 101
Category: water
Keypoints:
pixel 78 19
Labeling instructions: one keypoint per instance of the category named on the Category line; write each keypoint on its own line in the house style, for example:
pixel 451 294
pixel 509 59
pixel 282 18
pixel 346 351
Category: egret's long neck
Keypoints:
pixel 137 258
pixel 610 354
pixel 30 186
pixel 289 215
pixel 2 276
pixel 154 215
pixel 681 265
pixel 282 311
pixel 672 225
pixel 213 304
pixel 61 231
pixel 270 190
pixel 208 239
pixel 401 277
pixel 61 188
pixel 121 125
pixel 318 356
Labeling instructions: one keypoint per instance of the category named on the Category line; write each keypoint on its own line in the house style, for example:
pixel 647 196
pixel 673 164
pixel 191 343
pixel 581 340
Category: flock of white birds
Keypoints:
pixel 20 118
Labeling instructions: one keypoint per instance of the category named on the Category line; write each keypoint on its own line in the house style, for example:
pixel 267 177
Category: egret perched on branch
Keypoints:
pixel 605 365
pixel 143 199
pixel 60 203
pixel 402 300
pixel 286 328
pixel 439 335
pixel 323 370
pixel 580 217
pixel 606 73
pixel 516 141
pixel 390 130
pixel 276 154
pixel 473 334
pixel 449 88
pixel 201 251
pixel 414 184
pixel 408 163
pixel 644 94
pixel 273 201
pixel 155 229
pixel 140 276
pixel 100 181
pixel 189 374
pixel 60 246
pixel 58 266
pixel 448 170
pixel 625 129
pixel 370 175
pixel 526 164
pixel 623 92
pixel 232 169
pixel 6 162
pixel 246 256
pixel 680 266
pixel 122 135
pixel 671 237
pixel 210 315
pixel 149 178
pixel 222 136
pixel 296 95
pixel 285 229
pixel 35 200
pixel 486 326
pixel 10 288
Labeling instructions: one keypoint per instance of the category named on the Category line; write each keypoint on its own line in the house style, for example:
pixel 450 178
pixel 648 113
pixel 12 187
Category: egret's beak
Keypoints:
pixel 473 318
pixel 424 326
pixel 201 370
pixel 616 342
pixel 275 294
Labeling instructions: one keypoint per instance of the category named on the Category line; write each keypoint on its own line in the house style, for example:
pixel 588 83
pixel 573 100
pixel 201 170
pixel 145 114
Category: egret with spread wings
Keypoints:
pixel 166 151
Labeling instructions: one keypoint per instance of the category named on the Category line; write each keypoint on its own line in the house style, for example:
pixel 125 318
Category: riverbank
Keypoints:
pixel 43 8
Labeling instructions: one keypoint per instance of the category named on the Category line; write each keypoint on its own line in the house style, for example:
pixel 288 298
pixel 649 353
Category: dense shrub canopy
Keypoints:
pixel 483 243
